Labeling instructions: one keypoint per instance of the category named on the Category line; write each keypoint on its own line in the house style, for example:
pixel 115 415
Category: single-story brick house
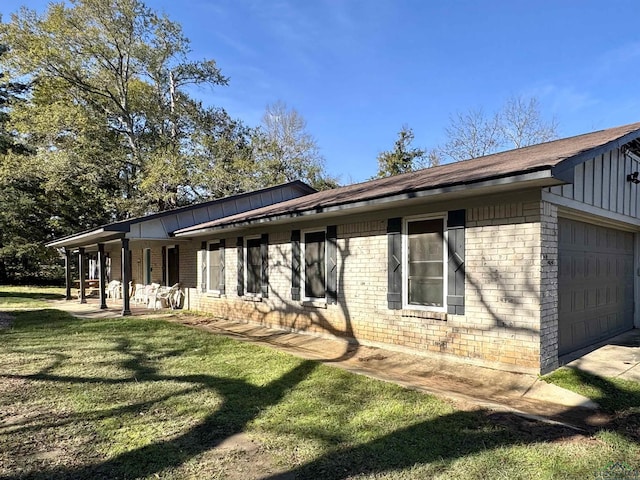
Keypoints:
pixel 512 260
pixel 143 249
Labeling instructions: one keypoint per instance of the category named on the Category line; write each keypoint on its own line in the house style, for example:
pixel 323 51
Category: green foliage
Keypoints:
pixel 284 151
pixel 404 158
pixel 97 125
pixel 123 68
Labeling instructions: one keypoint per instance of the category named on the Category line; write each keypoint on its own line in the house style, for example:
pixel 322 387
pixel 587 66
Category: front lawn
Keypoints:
pixel 619 397
pixel 28 297
pixel 140 398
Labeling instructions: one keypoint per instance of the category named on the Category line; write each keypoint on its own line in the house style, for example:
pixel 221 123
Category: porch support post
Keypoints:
pixel 101 285
pixel 126 277
pixel 82 269
pixel 67 273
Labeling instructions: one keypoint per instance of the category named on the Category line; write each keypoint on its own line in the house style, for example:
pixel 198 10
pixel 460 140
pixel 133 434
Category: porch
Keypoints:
pixel 92 309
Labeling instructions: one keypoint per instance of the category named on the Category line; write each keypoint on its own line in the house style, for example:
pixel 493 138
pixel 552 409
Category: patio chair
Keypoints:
pixel 150 292
pixel 169 297
pixel 175 298
pixel 114 289
pixel 139 293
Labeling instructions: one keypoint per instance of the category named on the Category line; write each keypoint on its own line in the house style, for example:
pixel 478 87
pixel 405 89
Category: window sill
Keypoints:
pixel 252 298
pixel 424 314
pixel 215 295
pixel 314 303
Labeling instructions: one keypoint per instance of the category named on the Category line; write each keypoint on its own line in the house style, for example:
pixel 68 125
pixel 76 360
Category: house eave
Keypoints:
pixel 564 169
pixel 91 237
pixel 539 178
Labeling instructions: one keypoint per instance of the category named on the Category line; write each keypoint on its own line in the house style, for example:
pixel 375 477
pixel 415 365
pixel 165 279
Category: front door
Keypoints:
pixel 173 266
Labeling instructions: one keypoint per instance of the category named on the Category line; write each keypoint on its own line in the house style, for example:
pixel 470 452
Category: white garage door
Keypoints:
pixel 595 283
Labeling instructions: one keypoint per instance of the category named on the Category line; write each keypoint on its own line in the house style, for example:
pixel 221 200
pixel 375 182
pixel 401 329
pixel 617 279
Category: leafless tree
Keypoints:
pixel 517 124
pixel 522 124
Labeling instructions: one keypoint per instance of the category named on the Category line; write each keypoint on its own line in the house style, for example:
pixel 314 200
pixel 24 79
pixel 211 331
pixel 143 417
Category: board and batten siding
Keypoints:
pixel 600 185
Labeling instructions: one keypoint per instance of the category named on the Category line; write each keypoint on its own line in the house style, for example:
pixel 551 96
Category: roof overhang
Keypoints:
pixel 628 144
pixel 539 178
pixel 88 238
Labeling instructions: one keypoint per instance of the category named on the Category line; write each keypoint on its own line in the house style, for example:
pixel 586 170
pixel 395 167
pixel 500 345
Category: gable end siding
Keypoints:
pixel 600 186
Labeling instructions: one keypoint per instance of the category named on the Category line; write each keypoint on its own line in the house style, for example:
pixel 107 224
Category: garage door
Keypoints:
pixel 595 284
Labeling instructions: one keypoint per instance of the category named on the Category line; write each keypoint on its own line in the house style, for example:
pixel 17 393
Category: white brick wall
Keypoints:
pixel 510 253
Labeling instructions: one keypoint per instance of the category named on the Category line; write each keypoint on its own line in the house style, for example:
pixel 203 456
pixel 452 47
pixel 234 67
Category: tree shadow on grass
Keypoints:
pixel 242 402
pixel 439 440
pixel 620 399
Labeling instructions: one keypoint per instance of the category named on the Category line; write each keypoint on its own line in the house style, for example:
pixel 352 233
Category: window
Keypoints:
pixel 425 263
pixel 253 266
pixel 315 285
pixel 146 266
pixel 214 267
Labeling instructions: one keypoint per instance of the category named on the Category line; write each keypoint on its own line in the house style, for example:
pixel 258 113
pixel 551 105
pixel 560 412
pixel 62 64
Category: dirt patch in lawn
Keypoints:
pixel 242 458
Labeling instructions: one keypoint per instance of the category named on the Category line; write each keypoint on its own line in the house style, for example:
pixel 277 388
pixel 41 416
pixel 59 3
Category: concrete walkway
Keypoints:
pixel 469 386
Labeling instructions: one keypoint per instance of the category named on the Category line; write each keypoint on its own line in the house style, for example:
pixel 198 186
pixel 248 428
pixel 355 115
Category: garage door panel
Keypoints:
pixel 579 331
pixel 602 296
pixel 595 278
pixel 590 298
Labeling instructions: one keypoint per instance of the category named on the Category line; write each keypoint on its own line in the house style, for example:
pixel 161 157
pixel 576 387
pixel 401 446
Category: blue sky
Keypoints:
pixel 357 70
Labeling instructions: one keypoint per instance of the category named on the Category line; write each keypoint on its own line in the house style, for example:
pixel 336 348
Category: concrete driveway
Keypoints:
pixel 618 357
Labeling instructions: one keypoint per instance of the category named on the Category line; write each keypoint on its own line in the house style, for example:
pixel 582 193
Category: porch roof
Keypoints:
pixel 160 225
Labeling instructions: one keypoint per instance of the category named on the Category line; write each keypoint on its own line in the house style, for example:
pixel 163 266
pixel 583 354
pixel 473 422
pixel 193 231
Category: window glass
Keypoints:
pixel 214 266
pixel 314 265
pixel 425 258
pixel 254 265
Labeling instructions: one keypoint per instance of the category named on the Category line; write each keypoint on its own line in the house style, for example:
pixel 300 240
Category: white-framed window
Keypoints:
pixel 425 263
pixel 314 264
pixel 214 266
pixel 253 266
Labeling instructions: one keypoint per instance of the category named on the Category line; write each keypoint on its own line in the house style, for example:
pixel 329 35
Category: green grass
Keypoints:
pixel 12 297
pixel 614 395
pixel 619 397
pixel 134 398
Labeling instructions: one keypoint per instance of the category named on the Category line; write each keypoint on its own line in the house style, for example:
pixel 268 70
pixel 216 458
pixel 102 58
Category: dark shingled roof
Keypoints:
pixel 530 159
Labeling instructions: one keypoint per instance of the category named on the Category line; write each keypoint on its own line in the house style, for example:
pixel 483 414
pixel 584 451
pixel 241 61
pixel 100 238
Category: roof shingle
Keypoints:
pixel 513 162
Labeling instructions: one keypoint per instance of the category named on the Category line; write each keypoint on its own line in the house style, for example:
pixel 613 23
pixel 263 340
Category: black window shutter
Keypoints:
pixel 295 265
pixel 203 266
pixel 456 223
pixel 221 281
pixel 164 266
pixel 332 264
pixel 394 261
pixel 264 257
pixel 240 245
pixel 177 263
